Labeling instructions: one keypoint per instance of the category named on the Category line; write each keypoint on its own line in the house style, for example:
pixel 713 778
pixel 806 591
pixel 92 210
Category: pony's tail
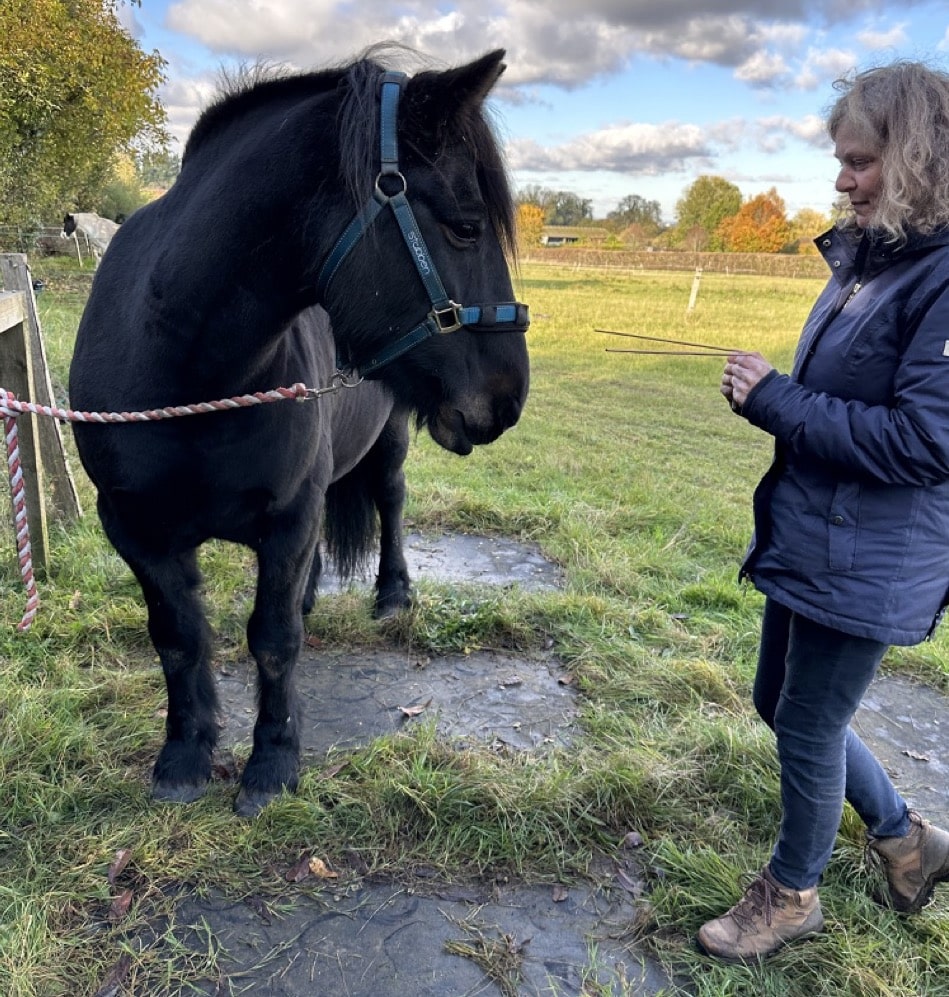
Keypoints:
pixel 351 524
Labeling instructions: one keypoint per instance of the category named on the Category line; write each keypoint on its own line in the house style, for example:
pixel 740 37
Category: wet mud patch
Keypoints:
pixel 505 701
pixel 366 938
pixel 469 559
pixel 376 939
pixel 906 725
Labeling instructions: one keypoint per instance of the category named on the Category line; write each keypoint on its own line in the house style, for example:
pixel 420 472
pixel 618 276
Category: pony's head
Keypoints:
pixel 437 221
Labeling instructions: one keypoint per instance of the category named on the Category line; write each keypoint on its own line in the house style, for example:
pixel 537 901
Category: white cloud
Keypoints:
pixel 763 68
pixel 821 66
pixel 640 149
pixel 772 133
pixel 183 99
pixel 892 38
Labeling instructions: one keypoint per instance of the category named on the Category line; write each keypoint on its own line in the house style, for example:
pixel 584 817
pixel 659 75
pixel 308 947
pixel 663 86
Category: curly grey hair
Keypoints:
pixel 902 112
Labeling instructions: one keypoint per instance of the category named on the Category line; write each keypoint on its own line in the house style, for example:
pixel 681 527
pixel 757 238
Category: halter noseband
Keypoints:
pixel 446 315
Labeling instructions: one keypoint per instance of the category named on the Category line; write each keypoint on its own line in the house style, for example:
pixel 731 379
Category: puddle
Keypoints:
pixel 346 700
pixel 467 559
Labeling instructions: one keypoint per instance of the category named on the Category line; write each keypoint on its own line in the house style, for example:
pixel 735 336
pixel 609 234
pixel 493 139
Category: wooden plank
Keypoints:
pixel 16 375
pixel 61 487
pixel 12 310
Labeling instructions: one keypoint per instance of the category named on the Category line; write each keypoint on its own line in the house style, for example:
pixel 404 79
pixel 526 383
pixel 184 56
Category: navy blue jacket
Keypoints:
pixel 852 518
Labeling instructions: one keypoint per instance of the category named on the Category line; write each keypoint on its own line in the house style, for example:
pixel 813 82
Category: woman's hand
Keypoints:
pixel 742 372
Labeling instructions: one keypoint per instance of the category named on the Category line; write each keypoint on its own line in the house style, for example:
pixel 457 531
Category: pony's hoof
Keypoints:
pixel 180 792
pixel 390 605
pixel 250 802
pixel 266 776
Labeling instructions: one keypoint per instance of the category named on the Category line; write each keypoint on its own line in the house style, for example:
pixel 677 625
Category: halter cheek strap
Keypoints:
pixel 446 315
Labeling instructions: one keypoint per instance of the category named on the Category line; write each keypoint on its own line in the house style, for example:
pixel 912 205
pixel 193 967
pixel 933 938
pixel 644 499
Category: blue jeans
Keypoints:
pixel 809 683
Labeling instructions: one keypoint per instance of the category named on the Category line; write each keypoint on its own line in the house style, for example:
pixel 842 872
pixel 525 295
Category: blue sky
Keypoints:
pixel 603 98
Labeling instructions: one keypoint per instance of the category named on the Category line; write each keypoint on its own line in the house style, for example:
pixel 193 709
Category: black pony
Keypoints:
pixel 381 198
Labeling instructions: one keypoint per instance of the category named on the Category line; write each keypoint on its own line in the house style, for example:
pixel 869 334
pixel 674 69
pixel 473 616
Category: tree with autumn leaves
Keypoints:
pixel 76 95
pixel 759 226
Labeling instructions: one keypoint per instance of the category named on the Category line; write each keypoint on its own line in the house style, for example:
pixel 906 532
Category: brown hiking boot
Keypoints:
pixel 913 864
pixel 766 918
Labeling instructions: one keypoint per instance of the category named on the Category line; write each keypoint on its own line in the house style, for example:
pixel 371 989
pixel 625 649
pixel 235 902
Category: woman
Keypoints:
pixel 851 541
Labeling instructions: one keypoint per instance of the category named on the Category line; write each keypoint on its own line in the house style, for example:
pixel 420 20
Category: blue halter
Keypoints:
pixel 446 315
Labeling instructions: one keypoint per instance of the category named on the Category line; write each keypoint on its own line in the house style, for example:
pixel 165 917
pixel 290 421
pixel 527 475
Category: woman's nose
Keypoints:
pixel 845 181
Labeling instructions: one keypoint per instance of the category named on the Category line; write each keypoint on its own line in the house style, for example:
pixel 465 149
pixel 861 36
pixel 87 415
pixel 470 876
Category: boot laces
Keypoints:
pixel 759 899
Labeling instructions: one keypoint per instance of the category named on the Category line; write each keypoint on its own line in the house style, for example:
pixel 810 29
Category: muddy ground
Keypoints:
pixel 421 937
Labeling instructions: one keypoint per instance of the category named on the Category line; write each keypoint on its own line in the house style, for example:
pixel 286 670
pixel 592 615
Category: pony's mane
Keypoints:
pixel 253 88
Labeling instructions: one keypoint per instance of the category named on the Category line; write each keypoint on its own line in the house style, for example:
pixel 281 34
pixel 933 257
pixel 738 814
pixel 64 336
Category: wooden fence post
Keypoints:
pixel 16 374
pixel 695 290
pixel 24 371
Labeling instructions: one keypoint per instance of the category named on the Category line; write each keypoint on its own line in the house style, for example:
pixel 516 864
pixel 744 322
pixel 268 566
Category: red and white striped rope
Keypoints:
pixel 11 408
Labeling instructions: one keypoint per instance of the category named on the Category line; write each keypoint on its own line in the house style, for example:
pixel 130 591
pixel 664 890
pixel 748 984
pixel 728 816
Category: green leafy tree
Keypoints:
pixel 636 210
pixel 569 209
pixel 75 92
pixel 560 207
pixel 533 193
pixel 806 225
pixel 702 208
pixel 157 168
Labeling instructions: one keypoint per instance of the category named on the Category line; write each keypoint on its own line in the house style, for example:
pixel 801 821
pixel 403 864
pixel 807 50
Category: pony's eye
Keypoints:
pixel 463 234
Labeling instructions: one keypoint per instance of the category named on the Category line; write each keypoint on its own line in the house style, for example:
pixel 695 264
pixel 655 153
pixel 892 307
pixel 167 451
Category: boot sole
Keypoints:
pixel 737 960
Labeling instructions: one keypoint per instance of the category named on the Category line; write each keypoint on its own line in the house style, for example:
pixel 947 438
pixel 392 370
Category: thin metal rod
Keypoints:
pixel 673 353
pixel 706 347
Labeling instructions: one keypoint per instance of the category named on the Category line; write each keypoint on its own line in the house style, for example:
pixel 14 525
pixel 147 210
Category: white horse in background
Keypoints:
pixel 96 230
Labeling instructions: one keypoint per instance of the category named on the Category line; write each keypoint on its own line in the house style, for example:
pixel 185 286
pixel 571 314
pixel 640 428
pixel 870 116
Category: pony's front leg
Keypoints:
pixel 274 635
pixel 179 631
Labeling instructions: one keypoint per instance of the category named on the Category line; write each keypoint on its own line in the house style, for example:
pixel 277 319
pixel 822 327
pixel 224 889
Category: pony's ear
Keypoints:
pixel 435 99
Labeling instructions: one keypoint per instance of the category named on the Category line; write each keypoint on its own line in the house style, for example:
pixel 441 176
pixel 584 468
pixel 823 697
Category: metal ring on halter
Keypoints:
pixel 395 175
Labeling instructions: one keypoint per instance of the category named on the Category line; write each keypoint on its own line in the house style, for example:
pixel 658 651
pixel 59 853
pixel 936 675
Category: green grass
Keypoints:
pixel 629 471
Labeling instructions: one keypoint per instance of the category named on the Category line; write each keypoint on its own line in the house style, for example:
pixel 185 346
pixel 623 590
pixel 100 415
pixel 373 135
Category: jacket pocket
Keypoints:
pixel 842 521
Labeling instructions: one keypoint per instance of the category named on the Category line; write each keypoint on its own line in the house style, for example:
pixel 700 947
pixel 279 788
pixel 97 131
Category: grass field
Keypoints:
pixel 632 473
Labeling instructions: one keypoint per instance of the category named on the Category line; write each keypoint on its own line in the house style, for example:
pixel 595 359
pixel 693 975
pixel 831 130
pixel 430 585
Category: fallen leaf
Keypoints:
pixel 75 599
pixel 633 839
pixel 260 908
pixel 629 885
pixel 565 680
pixel 312 641
pixel 333 770
pixel 298 872
pixel 121 860
pixel 559 893
pixel 414 711
pixel 224 771
pixel 120 905
pixel 112 984
pixel 916 756
pixel 321 870
pixel 511 681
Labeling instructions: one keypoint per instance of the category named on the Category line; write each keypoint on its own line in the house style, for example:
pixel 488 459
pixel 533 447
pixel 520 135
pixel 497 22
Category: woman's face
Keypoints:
pixel 861 174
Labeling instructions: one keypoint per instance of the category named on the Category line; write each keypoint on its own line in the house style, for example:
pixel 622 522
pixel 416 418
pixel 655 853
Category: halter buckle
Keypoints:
pixel 447 319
